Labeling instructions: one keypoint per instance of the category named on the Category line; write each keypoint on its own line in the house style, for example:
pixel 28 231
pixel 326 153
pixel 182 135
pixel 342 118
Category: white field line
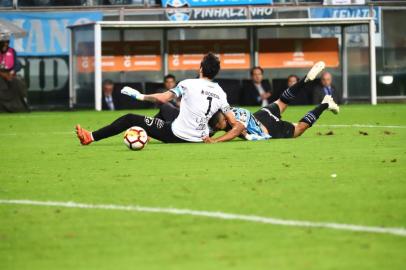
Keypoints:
pixel 217 215
pixel 330 126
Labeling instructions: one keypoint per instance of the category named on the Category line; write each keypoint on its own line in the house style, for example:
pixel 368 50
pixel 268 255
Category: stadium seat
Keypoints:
pixel 232 87
pixel 153 87
pixel 125 102
pixel 84 96
pixel 278 86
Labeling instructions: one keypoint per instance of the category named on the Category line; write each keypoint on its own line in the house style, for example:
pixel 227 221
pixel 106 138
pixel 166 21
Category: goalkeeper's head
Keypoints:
pixel 210 66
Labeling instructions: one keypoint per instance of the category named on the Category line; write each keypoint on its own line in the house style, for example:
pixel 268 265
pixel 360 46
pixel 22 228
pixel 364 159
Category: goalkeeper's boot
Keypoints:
pixel 315 71
pixel 332 106
pixel 85 137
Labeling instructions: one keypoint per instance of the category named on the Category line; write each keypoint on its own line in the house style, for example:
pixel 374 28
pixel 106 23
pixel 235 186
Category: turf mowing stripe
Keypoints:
pixel 359 126
pixel 216 215
pixel 40 133
pixel 329 126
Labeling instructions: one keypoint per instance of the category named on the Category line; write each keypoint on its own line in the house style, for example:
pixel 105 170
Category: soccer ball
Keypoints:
pixel 135 138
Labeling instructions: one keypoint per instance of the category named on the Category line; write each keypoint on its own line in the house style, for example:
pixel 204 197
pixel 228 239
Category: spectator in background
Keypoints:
pixel 109 102
pixel 170 110
pixel 326 87
pixel 292 80
pixel 257 91
pixel 13 91
pixel 170 83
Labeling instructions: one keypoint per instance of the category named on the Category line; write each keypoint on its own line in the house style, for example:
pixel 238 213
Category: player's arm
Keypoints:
pixel 159 97
pixel 154 98
pixel 254 137
pixel 235 131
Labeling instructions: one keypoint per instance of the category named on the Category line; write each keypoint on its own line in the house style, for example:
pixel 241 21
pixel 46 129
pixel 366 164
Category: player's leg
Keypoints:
pixel 155 128
pixel 119 125
pixel 311 117
pixel 300 128
pixel 290 94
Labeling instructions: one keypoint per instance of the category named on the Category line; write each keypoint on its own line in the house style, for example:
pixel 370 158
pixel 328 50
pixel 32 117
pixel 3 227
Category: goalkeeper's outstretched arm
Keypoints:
pixel 159 97
pixel 154 98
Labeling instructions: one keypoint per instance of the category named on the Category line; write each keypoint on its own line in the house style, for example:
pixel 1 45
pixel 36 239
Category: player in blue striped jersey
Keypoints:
pixel 266 123
pixel 254 130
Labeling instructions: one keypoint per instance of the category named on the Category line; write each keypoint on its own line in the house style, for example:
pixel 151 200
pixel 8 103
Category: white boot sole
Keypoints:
pixel 315 70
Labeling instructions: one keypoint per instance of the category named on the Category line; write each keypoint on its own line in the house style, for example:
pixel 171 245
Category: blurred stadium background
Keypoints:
pixel 142 56
pixel 349 171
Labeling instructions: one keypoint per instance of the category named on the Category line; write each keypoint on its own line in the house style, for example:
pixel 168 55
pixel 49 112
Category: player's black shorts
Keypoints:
pixel 160 130
pixel 270 117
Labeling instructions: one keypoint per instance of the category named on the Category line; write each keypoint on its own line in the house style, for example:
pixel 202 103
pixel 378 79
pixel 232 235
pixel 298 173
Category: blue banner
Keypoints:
pixel 219 13
pixel 347 12
pixel 47 32
pixel 208 3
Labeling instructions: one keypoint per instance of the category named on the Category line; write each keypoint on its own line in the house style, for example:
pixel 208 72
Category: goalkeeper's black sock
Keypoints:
pixel 312 116
pixel 119 125
pixel 290 94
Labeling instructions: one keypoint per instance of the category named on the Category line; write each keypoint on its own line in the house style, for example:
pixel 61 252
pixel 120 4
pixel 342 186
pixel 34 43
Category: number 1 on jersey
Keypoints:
pixel 210 99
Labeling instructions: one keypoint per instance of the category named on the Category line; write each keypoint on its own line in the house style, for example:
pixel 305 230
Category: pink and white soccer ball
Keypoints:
pixel 135 138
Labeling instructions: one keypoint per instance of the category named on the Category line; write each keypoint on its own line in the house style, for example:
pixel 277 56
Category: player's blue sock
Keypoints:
pixel 290 94
pixel 312 116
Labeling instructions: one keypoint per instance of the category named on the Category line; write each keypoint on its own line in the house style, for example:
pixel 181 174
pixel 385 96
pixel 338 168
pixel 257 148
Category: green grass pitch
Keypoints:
pixel 288 179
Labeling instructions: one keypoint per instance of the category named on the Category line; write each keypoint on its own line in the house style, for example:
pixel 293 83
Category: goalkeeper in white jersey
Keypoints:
pixel 267 122
pixel 201 98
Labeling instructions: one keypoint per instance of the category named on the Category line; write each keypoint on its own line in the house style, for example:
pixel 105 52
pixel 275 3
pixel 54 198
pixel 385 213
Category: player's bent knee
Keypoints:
pixel 128 115
pixel 300 129
pixel 282 105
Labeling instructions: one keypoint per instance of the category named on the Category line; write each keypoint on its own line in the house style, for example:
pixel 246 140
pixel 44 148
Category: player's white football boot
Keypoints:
pixel 315 71
pixel 332 106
